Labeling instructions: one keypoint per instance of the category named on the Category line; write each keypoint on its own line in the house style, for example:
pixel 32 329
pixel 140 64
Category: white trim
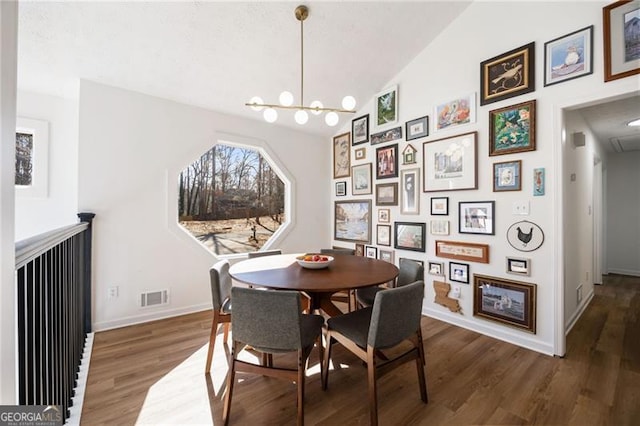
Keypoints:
pixel 630 272
pixel 152 316
pixel 576 316
pixel 75 411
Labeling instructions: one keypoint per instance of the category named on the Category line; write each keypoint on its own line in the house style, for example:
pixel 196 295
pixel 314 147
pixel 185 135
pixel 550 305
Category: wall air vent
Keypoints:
pixel 154 298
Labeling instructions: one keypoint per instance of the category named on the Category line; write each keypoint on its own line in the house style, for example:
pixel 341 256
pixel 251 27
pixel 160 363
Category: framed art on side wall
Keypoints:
pixel 456 112
pixel 476 217
pixel 512 129
pixel 387 162
pixel 342 155
pixel 361 181
pixel 569 56
pixel 360 129
pixel 449 164
pixel 621 41
pixel 352 221
pixel 410 192
pixel 32 158
pixel 410 236
pixel 508 75
pixel 386 107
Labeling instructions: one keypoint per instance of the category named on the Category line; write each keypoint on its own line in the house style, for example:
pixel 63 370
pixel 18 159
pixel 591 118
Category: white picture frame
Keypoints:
pixel 386 107
pixel 37 132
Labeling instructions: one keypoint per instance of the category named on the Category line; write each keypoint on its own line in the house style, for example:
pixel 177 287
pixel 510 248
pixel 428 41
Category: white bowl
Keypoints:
pixel 314 264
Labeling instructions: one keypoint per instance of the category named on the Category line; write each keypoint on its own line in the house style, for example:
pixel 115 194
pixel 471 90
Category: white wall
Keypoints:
pixel 449 67
pixel 59 208
pixel 131 149
pixel 623 224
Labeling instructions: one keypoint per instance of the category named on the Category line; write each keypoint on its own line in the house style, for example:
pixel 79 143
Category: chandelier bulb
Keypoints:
pixel 349 102
pixel 256 100
pixel 270 115
pixel 301 117
pixel 286 98
pixel 331 119
pixel 316 104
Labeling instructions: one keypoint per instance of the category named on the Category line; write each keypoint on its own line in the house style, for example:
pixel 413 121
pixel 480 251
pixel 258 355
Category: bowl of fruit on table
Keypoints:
pixel 314 261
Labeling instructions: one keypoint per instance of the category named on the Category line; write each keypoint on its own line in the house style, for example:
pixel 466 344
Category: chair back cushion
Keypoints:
pixel 268 320
pixel 410 271
pixel 396 315
pixel 220 283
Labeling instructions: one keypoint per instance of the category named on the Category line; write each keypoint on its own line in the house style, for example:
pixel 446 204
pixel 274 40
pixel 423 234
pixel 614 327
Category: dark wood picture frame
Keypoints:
pixel 517 121
pixel 507 75
pixel 410 236
pixel 382 198
pixel 616 63
pixel 387 162
pixel 472 252
pixel 347 221
pixel 509 302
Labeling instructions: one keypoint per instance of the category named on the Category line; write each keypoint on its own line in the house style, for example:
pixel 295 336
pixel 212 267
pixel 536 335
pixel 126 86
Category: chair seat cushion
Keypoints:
pixel 367 295
pixel 226 306
pixel 354 325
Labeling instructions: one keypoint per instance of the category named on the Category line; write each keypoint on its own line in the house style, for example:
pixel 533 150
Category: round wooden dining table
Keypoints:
pixel 346 272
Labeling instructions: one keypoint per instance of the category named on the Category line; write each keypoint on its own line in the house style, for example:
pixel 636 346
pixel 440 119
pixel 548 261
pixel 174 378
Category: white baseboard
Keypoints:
pixel 505 336
pixel 75 411
pixel 578 313
pixel 150 316
pixel 630 272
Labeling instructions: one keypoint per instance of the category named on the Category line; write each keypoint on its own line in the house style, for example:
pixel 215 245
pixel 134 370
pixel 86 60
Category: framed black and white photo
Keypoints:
pixel 410 236
pixel 459 272
pixel 410 192
pixel 360 130
pixel 476 217
pixel 417 128
pixel 436 268
pixel 383 235
pixel 341 189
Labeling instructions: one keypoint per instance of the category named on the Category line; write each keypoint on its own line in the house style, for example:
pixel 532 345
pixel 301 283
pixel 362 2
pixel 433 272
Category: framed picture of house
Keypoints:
pixel 386 107
pixel 507 75
pixel 512 129
pixel 509 302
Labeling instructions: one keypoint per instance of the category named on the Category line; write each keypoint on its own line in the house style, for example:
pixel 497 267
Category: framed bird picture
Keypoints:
pixel 525 236
pixel 507 75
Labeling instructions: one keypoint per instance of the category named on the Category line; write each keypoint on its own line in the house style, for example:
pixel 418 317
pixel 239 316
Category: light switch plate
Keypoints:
pixel 521 207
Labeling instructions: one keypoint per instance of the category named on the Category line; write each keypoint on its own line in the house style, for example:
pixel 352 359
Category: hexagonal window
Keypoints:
pixel 232 199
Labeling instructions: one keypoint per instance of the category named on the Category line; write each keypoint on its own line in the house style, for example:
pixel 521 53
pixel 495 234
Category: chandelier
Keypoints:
pixel 301 116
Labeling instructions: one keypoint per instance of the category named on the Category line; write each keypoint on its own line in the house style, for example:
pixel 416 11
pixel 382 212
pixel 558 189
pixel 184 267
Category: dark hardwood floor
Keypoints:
pixel 153 374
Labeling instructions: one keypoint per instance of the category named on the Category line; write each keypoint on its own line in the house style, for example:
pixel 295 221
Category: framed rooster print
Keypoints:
pixel 525 236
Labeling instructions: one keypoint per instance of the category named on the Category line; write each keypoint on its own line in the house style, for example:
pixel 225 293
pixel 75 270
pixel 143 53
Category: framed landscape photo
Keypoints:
pixel 507 75
pixel 476 217
pixel 387 194
pixel 455 112
pixel 386 135
pixel 361 180
pixel 342 155
pixel 387 161
pixel 450 164
pixel 417 128
pixel 439 206
pixel 518 266
pixel 512 129
pixel 569 56
pixel 509 302
pixel 410 192
pixel 459 272
pixel 360 130
pixel 507 176
pixel 621 42
pixel 352 221
pixel 341 189
pixel 383 235
pixel 386 107
pixel 410 236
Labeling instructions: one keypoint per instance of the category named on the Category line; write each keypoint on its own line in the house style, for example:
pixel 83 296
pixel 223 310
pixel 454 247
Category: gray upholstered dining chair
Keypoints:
pixel 272 322
pixel 410 271
pixel 273 252
pixel 345 296
pixel 393 319
pixel 221 296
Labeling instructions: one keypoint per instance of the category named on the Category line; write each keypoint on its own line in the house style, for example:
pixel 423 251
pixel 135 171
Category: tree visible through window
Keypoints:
pixel 231 199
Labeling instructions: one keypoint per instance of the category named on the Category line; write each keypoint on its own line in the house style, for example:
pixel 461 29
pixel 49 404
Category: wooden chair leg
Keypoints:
pixel 327 359
pixel 373 393
pixel 226 410
pixel 212 340
pixel 421 346
pixel 227 326
pixel 421 378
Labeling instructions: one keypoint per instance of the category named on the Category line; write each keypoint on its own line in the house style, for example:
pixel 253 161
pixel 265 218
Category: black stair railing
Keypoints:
pixel 53 278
